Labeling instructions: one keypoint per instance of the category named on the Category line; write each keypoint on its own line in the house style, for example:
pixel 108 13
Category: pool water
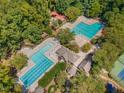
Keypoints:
pixel 87 30
pixel 42 64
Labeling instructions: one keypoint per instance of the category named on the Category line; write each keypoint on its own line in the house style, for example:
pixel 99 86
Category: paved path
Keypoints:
pixel 113 82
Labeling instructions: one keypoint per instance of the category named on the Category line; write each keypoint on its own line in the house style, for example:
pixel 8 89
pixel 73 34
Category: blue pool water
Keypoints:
pixel 42 64
pixel 87 30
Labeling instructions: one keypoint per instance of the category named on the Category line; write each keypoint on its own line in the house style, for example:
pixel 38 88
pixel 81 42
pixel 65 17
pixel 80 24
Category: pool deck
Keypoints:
pixel 81 40
pixel 79 19
pixel 51 54
pixel 30 64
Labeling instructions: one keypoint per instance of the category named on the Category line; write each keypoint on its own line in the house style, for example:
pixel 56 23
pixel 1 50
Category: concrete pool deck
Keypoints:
pixel 81 40
pixel 30 63
pixel 51 54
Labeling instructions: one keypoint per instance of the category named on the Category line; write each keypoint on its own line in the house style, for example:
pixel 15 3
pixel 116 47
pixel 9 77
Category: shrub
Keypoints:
pixel 52 89
pixel 86 47
pixel 48 77
pixel 73 47
pixel 19 61
pixel 65 36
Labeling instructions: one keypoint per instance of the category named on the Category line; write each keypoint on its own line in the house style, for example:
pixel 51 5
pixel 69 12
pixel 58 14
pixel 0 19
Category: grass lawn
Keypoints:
pixel 49 76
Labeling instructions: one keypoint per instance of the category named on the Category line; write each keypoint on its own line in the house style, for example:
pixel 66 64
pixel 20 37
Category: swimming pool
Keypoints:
pixel 87 30
pixel 42 64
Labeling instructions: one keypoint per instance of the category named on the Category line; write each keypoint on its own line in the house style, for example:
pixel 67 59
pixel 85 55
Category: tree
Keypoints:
pixel 32 34
pixel 95 9
pixel 18 88
pixel 62 5
pixel 106 56
pixel 6 81
pixel 19 61
pixel 65 36
pixel 83 84
pixel 72 13
pixel 60 80
pixel 111 46
pixel 21 21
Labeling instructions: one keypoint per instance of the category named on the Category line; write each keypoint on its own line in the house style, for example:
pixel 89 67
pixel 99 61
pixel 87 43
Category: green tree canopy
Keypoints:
pixel 19 61
pixel 20 21
pixel 83 84
pixel 65 36
pixel 95 9
pixel 72 13
pixel 6 81
pixel 106 56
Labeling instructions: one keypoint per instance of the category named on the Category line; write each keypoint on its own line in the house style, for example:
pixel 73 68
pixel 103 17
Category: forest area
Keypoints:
pixel 23 21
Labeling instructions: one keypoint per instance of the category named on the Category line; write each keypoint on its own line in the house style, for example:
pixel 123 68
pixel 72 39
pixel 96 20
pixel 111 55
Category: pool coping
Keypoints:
pixel 85 20
pixel 31 63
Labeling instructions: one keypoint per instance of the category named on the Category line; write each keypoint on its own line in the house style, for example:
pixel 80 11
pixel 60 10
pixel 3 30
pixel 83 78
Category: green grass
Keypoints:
pixel 49 76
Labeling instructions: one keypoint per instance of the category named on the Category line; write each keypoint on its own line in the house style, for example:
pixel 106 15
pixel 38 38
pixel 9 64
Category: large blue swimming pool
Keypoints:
pixel 88 31
pixel 42 64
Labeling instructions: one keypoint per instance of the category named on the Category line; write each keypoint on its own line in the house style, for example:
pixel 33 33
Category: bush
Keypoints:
pixel 52 89
pixel 86 47
pixel 19 61
pixel 73 47
pixel 48 77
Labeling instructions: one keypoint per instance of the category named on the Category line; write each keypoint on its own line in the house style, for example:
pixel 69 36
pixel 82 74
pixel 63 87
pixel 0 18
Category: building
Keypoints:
pixel 72 58
pixel 67 55
pixel 86 63
pixel 117 71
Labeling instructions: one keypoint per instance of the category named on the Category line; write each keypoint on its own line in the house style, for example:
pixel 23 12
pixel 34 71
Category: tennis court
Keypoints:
pixel 118 70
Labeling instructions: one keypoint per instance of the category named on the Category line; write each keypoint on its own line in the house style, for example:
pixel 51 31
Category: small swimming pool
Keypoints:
pixel 42 64
pixel 87 30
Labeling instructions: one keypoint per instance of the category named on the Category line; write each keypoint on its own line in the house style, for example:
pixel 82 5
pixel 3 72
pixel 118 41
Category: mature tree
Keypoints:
pixel 106 56
pixel 80 6
pixel 18 88
pixel 20 21
pixel 112 45
pixel 60 80
pixel 65 36
pixel 6 81
pixel 95 9
pixel 32 34
pixel 19 61
pixel 72 13
pixel 83 84
pixel 62 5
